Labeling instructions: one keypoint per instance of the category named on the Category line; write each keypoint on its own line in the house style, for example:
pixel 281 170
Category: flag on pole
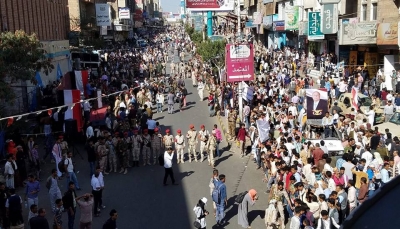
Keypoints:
pixel 263 130
pixel 38 79
pixel 59 72
pixel 354 98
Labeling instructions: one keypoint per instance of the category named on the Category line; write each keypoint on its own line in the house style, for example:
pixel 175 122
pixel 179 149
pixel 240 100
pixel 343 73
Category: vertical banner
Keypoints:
pixel 314 26
pixel 103 15
pixel 317 103
pixel 291 17
pixel 352 61
pixel 371 63
pixel 329 19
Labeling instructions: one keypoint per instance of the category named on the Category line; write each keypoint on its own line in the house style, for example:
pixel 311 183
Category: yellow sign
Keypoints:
pixel 352 61
pixel 387 34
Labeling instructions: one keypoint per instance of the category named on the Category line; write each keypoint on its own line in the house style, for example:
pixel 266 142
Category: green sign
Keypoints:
pixel 314 26
pixel 291 17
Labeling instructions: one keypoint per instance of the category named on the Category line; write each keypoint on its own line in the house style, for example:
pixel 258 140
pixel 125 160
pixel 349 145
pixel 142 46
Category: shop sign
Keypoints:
pixel 239 62
pixel 387 34
pixel 291 17
pixel 103 15
pixel 198 23
pixel 314 26
pixel 267 21
pixel 329 19
pixel 303 26
pixel 358 33
pixel 278 26
pixel 257 16
pixel 249 24
pixel 210 5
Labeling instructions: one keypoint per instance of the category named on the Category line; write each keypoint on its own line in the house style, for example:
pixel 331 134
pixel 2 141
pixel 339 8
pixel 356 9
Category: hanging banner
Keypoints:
pixel 317 103
pixel 371 63
pixel 329 19
pixel 291 17
pixel 314 26
pixel 387 34
pixel 353 61
pixel 103 15
pixel 257 18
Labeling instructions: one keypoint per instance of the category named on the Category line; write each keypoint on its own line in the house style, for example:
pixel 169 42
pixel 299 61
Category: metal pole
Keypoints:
pixel 238 15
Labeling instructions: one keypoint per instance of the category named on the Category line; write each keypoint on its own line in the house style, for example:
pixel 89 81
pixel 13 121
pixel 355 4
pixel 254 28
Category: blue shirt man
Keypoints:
pixel 220 214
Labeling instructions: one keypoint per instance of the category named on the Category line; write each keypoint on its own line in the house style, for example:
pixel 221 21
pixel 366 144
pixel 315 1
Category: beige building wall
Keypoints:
pixel 388 11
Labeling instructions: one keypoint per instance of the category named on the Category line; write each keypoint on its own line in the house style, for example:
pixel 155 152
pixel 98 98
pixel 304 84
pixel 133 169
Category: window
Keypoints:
pixel 374 11
pixel 363 12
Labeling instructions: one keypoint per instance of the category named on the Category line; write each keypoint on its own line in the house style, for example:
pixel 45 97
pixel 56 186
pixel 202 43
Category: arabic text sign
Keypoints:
pixel 291 17
pixel 103 15
pixel 212 5
pixel 124 13
pixel 358 33
pixel 314 26
pixel 387 34
pixel 239 62
pixel 329 19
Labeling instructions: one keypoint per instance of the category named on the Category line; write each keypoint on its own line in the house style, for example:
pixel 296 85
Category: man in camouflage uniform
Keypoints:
pixel 156 144
pixel 232 123
pixel 146 151
pixel 102 154
pixel 136 144
pixel 282 198
pixel 203 136
pixel 192 143
pixel 128 141
pixel 122 148
pixel 211 146
pixel 112 156
pixel 179 146
pixel 168 139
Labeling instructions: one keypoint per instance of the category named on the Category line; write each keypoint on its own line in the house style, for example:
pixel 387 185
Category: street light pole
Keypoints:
pixel 238 15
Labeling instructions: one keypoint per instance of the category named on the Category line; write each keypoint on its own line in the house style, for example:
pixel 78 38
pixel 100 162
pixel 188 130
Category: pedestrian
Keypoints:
pixel 57 153
pixel 69 167
pixel 211 145
pixel 168 156
pixel 4 194
pixel 241 137
pixel 160 102
pixel 57 211
pixel 91 152
pixel 271 216
pixel 33 211
pixel 70 204
pixel 214 179
pixel 136 146
pixel 201 212
pixel 243 209
pixel 222 201
pixel 10 169
pixel 32 191
pixel 85 203
pixel 232 123
pixel 192 143
pixel 111 223
pixel 179 146
pixel 96 191
pixel 14 210
pixel 39 221
pixel 52 186
pixel 218 136
pixel 146 148
pixel 35 162
pixel 203 135
pixel 122 149
pixel 200 88
pixel 112 156
pixel 102 152
pixel 171 102
pixel 156 144
pixel 326 222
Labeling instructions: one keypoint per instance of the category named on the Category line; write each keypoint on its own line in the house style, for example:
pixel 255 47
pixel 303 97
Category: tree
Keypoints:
pixel 21 56
pixel 212 51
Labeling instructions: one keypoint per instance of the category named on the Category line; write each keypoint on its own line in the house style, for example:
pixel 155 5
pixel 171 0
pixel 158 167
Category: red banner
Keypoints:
pixel 204 3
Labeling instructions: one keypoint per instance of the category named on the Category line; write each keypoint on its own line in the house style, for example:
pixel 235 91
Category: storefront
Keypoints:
pixel 358 45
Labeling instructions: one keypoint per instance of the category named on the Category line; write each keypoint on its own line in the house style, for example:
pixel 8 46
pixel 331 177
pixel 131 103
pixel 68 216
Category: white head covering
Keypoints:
pixel 378 158
pixel 204 200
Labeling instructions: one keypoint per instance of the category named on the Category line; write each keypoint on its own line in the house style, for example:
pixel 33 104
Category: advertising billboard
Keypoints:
pixel 317 103
pixel 239 60
pixel 210 5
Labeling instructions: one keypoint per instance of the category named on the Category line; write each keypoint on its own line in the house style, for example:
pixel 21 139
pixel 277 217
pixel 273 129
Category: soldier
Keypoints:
pixel 156 144
pixel 146 151
pixel 136 143
pixel 179 146
pixel 112 156
pixel 168 139
pixel 211 146
pixel 102 154
pixel 128 141
pixel 202 136
pixel 192 142
pixel 122 148
pixel 281 196
pixel 232 123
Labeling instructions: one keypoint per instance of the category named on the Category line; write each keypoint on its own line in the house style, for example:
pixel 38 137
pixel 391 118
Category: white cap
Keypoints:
pixel 204 200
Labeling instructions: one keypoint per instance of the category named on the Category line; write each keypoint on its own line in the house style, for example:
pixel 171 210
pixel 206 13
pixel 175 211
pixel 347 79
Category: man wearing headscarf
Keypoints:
pixel 250 198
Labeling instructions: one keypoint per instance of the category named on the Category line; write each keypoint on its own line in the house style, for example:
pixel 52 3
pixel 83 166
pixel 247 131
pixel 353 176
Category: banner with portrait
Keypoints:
pixel 316 103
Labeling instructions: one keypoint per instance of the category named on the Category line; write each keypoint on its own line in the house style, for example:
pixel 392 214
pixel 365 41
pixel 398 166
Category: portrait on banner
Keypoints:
pixel 316 103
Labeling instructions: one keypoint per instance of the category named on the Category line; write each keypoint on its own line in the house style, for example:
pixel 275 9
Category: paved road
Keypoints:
pixel 143 202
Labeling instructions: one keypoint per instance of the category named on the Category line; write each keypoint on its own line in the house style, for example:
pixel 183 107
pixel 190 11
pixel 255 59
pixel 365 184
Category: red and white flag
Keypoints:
pixel 354 98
